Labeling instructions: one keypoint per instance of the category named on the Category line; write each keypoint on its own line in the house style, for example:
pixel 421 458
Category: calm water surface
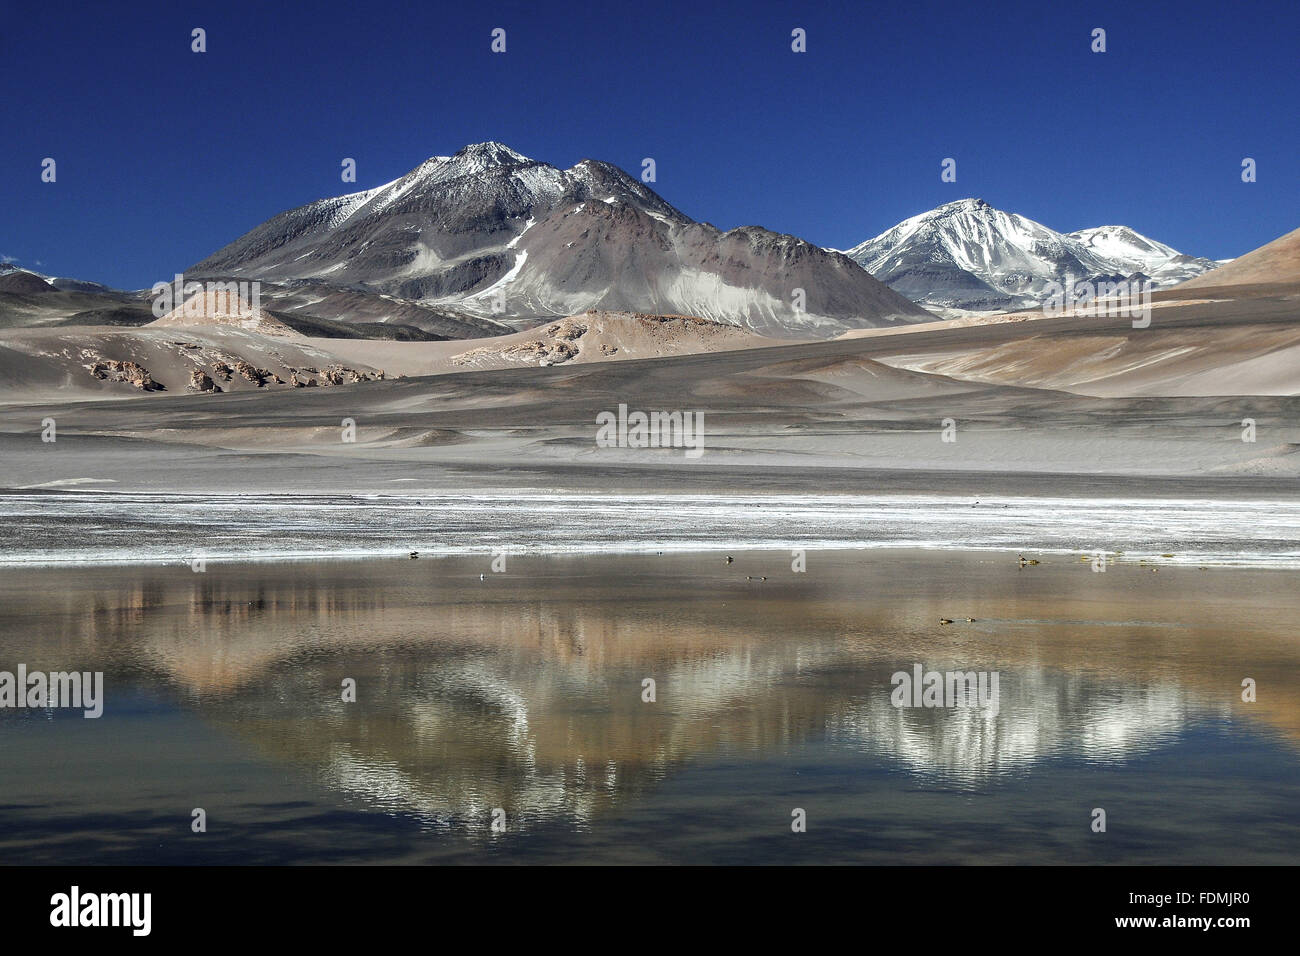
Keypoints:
pixel 523 691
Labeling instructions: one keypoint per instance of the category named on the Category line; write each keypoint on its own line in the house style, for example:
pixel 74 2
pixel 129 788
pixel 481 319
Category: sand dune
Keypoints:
pixel 1278 262
pixel 1253 350
pixel 223 308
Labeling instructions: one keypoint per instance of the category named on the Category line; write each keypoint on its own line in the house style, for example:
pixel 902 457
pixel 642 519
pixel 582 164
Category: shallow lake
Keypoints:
pixel 520 696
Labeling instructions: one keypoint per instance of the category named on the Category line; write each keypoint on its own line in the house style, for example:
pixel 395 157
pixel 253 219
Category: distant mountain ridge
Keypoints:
pixel 14 277
pixel 967 255
pixel 493 234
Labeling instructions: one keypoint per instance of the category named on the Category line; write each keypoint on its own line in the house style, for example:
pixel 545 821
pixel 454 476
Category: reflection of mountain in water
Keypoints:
pixel 527 695
pixel 460 733
pixel 1042 714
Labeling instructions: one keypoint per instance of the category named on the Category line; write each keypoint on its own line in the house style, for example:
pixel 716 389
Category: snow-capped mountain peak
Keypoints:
pixel 491 153
pixel 969 256
pixel 489 232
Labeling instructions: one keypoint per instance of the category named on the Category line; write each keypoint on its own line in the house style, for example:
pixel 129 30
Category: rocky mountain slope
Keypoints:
pixel 491 233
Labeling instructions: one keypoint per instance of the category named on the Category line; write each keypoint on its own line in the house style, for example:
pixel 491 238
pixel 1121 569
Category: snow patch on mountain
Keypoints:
pixel 506 279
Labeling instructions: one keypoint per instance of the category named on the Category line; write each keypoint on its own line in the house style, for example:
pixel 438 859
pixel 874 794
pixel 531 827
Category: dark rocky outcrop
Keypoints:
pixel 200 381
pixel 132 373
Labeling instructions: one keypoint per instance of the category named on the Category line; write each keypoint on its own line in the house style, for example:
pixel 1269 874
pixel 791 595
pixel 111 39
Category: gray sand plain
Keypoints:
pixel 1031 405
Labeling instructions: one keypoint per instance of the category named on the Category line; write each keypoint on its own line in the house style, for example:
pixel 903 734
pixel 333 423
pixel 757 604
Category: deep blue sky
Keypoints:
pixel 165 155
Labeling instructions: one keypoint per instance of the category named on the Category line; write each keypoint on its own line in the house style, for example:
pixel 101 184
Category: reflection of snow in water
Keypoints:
pixel 1042 715
pixel 383 785
pixel 139 527
pixel 476 680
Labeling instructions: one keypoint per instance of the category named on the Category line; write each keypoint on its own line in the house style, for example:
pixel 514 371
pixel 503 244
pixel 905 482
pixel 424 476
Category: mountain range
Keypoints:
pixel 490 234
pixel 969 256
pixel 487 242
